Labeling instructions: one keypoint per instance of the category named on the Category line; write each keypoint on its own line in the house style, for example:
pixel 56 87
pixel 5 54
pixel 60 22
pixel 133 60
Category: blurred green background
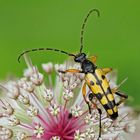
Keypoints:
pixel 114 37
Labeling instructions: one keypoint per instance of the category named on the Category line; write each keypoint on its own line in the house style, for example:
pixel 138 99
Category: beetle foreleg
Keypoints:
pixel 71 71
pixel 106 70
pixel 93 59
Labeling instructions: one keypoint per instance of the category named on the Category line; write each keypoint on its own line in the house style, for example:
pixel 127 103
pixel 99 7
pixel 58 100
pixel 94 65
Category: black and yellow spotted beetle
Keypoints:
pixel 95 78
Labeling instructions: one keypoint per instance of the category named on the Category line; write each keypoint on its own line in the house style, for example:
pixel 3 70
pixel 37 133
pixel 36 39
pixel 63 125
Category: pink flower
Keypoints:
pixel 31 108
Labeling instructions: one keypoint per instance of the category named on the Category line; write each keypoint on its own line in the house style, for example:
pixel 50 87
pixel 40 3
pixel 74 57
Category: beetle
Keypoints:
pixel 95 78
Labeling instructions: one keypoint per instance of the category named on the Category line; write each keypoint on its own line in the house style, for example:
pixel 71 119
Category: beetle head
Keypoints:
pixel 80 57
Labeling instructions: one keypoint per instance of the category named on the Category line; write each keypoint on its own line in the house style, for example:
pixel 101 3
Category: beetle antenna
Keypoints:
pixel 83 26
pixel 44 49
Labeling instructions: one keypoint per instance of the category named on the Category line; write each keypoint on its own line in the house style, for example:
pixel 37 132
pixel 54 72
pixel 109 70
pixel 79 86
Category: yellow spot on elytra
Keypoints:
pixel 99 73
pixel 110 97
pixel 95 88
pixel 105 85
pixel 115 109
pixel 104 100
pixel 110 112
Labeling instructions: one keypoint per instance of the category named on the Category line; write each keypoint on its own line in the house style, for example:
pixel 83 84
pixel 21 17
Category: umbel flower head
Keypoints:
pixel 35 107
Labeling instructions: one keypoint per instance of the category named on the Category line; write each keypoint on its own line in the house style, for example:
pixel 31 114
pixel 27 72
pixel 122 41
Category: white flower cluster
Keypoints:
pixel 30 108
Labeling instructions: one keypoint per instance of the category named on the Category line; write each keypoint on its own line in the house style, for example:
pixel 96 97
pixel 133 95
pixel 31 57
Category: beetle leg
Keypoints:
pixel 106 70
pixel 93 59
pixel 91 95
pixel 84 96
pixel 71 71
pixel 117 92
pixel 114 90
pixel 123 97
pixel 100 124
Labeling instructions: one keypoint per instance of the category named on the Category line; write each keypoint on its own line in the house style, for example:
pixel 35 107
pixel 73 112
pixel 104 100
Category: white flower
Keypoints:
pixel 13 89
pixel 130 127
pixel 48 68
pixel 13 120
pixel 5 133
pixel 37 78
pixel 5 109
pixel 26 85
pixel 54 110
pixel 90 133
pixel 24 99
pixel 21 136
pixel 32 111
pixel 55 138
pixel 79 136
pixel 38 131
pixel 60 67
pixel 48 95
pixel 29 71
pixel 76 111
pixel 89 119
pixel 67 95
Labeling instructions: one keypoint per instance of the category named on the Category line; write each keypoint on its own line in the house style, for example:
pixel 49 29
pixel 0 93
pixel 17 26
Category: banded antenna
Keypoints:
pixel 83 26
pixel 44 49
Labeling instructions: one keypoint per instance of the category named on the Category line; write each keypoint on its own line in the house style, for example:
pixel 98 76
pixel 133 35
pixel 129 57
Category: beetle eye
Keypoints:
pixel 77 59
pixel 80 57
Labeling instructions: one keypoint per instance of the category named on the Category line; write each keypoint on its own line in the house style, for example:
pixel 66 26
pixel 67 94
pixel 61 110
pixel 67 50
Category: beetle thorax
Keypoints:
pixel 88 67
